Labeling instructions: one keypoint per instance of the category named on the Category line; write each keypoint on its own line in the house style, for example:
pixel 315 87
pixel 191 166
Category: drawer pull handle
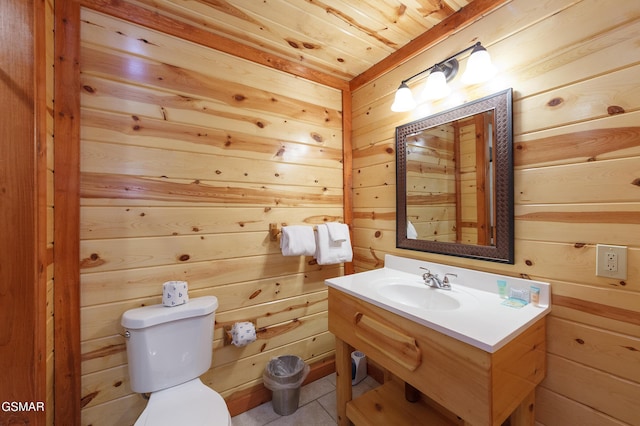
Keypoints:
pixel 399 347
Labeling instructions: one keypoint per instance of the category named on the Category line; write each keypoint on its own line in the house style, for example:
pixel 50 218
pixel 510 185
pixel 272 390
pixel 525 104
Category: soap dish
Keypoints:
pixel 512 302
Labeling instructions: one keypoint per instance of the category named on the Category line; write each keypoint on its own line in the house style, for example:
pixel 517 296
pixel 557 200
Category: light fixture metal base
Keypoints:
pixel 450 68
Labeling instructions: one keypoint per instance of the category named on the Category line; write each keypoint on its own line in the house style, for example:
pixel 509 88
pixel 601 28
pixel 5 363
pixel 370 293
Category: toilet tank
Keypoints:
pixel 167 346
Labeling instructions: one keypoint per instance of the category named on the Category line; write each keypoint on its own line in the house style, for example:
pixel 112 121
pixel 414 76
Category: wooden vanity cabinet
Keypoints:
pixel 479 387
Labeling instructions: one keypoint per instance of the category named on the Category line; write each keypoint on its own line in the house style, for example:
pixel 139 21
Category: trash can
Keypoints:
pixel 284 375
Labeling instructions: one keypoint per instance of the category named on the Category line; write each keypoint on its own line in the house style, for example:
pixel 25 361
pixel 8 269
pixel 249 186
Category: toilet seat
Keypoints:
pixel 191 403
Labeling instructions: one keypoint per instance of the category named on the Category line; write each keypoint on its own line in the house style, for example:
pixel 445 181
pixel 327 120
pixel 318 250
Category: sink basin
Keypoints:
pixel 419 297
pixel 414 293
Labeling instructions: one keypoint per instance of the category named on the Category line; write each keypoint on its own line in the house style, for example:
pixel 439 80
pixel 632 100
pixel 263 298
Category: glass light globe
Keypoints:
pixel 436 86
pixel 479 67
pixel 404 99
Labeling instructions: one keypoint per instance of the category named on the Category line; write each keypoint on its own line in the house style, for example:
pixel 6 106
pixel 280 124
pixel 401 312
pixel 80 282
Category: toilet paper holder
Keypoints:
pixel 227 338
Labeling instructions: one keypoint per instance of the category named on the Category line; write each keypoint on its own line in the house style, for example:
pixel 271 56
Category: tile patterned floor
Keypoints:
pixel 317 406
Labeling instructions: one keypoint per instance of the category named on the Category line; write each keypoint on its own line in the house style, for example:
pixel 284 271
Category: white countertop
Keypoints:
pixel 481 320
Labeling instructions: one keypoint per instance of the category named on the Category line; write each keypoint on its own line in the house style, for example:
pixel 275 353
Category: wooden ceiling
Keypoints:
pixel 342 38
pixel 335 42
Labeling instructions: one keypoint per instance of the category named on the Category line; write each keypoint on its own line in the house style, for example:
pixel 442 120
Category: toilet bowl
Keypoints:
pixel 192 403
pixel 168 349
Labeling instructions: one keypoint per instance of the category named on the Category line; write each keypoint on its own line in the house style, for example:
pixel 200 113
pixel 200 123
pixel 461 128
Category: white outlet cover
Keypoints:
pixel 601 261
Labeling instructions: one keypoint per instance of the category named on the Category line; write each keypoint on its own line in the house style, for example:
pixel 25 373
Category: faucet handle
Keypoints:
pixel 427 275
pixel 446 279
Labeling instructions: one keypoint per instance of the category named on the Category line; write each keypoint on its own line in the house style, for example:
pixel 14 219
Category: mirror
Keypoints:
pixel 454 173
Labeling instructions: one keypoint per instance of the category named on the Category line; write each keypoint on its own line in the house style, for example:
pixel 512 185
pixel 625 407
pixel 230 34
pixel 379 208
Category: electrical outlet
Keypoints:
pixel 611 258
pixel 611 261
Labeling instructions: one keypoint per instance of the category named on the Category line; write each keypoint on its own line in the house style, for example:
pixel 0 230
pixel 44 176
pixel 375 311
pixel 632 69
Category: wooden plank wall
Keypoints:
pixel 187 156
pixel 26 334
pixel 575 70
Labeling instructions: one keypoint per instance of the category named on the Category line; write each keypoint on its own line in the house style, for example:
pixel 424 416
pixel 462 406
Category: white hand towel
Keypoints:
pixel 297 240
pixel 328 252
pixel 338 232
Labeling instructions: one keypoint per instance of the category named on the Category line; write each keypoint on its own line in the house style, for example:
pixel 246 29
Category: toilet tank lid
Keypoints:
pixel 148 316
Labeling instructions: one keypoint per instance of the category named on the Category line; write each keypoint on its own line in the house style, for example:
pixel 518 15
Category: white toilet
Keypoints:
pixel 168 350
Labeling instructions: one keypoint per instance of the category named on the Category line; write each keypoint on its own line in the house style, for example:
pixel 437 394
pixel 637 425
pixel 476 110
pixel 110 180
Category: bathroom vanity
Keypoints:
pixel 475 360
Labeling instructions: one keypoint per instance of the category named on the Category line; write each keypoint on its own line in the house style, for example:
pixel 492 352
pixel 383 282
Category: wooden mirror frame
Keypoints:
pixel 502 251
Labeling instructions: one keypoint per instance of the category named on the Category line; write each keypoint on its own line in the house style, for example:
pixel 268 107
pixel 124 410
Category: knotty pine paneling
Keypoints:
pixel 555 409
pixel 105 221
pixel 187 156
pixel 607 393
pixel 606 351
pixel 336 37
pixel 104 320
pixel 149 44
pixel 140 283
pixel 574 71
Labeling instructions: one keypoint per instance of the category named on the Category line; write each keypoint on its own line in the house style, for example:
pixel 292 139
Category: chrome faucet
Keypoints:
pixel 433 280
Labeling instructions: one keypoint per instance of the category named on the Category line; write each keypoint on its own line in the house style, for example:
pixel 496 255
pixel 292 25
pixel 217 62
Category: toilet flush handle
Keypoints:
pixel 126 334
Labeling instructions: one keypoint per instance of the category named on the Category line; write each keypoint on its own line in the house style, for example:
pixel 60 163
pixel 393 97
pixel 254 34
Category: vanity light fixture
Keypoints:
pixel 479 69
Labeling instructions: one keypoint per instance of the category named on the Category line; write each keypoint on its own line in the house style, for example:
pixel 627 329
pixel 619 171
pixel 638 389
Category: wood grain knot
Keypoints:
pixel 555 102
pixel 88 88
pixel 184 257
pixel 615 109
pixel 239 97
pixel 580 341
pixel 636 182
pixel 528 262
pixel 88 398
